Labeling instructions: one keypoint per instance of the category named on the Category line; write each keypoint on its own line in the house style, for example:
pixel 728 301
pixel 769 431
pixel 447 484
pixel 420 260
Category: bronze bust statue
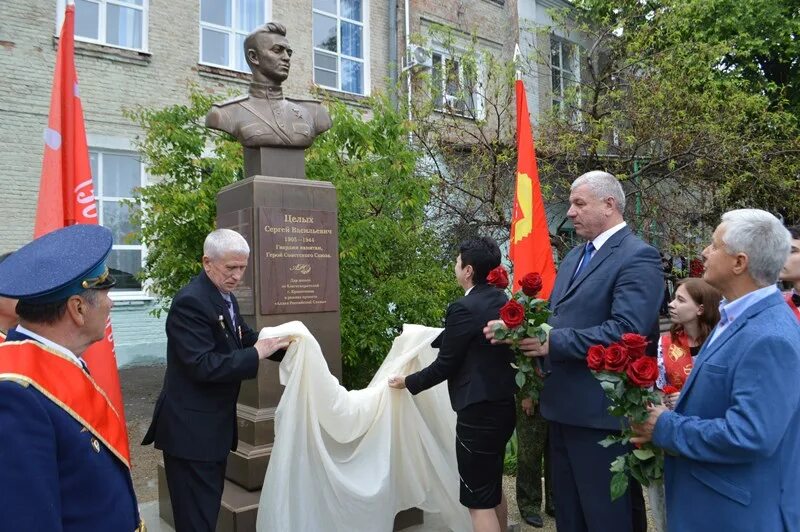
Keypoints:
pixel 264 117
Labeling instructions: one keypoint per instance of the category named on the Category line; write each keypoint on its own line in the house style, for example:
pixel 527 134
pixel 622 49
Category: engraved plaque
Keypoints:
pixel 241 221
pixel 299 260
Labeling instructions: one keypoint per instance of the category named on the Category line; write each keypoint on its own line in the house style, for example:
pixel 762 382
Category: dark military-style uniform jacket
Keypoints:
pixel 265 118
pixel 58 473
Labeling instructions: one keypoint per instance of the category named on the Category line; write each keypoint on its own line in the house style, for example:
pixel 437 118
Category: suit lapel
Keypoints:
pixel 567 266
pixel 605 251
pixel 220 307
pixel 707 350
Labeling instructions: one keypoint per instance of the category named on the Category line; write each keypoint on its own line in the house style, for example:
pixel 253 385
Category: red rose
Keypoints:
pixel 512 314
pixel 531 284
pixel 635 344
pixel 596 358
pixel 498 277
pixel 616 358
pixel 643 372
pixel 670 389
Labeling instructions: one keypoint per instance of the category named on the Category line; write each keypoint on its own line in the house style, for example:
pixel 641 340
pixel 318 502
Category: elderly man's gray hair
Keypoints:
pixel 224 241
pixel 762 237
pixel 603 185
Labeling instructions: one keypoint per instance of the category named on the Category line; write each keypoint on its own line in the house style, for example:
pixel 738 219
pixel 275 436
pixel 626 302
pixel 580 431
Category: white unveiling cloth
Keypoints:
pixel 350 460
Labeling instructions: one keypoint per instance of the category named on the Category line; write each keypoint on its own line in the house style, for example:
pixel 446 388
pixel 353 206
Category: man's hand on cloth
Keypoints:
pixel 530 347
pixel 267 346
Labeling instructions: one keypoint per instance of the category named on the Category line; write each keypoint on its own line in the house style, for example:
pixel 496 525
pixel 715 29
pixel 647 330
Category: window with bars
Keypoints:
pixel 224 24
pixel 455 83
pixel 119 23
pixel 115 175
pixel 339 32
pixel 564 69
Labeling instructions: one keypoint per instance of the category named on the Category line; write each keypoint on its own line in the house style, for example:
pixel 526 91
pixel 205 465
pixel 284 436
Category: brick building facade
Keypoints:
pixel 133 53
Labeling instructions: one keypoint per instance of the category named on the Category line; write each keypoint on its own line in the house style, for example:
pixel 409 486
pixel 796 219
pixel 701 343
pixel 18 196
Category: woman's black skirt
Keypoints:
pixel 482 431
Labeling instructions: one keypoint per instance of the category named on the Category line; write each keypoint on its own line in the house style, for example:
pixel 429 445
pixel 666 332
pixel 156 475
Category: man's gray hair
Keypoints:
pixel 224 241
pixel 762 237
pixel 603 185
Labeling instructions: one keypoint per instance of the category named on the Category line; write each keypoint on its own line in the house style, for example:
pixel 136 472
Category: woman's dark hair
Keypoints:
pixel 482 254
pixel 795 231
pixel 704 294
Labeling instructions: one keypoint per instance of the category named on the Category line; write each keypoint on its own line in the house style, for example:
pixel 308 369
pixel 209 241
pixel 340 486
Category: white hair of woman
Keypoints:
pixel 224 241
pixel 603 185
pixel 762 237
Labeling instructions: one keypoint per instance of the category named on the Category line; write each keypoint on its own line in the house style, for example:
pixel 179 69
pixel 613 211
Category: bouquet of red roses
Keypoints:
pixel 524 316
pixel 627 376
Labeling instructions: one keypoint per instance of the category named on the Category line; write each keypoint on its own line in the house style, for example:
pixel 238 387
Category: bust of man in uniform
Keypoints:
pixel 264 117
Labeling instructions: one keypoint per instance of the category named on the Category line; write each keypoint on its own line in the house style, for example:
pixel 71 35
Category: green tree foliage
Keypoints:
pixel 391 268
pixel 178 210
pixel 390 265
pixel 464 122
pixel 673 108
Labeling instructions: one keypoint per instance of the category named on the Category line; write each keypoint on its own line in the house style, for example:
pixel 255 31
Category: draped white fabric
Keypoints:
pixel 350 460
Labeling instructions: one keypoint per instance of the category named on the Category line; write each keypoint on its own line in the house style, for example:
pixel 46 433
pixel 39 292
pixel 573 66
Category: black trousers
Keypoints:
pixel 581 481
pixel 195 491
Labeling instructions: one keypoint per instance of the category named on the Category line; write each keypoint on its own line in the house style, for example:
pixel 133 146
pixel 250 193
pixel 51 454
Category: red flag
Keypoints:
pixel 530 249
pixel 66 193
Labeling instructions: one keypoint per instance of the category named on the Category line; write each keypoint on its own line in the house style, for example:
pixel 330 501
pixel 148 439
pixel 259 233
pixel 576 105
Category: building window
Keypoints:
pixel 565 70
pixel 115 176
pixel 455 84
pixel 224 24
pixel 119 23
pixel 339 34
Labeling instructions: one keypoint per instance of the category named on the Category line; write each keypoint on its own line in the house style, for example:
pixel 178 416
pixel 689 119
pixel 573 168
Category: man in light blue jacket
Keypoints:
pixel 733 440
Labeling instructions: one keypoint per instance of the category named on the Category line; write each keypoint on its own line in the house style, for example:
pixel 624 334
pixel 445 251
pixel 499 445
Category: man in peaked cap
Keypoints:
pixel 8 310
pixel 62 454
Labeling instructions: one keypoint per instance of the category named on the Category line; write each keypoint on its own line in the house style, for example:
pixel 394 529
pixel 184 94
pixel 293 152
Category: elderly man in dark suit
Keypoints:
pixel 605 288
pixel 210 350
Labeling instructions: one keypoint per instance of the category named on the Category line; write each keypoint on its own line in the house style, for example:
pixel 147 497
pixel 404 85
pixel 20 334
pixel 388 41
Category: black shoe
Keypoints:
pixel 535 520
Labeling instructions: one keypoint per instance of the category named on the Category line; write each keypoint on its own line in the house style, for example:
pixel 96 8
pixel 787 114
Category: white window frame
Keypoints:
pixel 101 16
pixel 233 50
pixel 119 146
pixel 563 74
pixel 479 112
pixel 365 61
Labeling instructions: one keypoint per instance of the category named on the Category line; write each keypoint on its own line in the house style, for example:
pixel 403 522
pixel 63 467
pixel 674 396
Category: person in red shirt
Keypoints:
pixel 790 273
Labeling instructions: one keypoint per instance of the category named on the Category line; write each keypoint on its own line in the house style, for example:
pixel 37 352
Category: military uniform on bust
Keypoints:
pixel 266 118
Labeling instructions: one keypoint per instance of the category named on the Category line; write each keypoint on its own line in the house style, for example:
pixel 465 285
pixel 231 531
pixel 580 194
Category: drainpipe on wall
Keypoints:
pixel 393 56
pixel 407 17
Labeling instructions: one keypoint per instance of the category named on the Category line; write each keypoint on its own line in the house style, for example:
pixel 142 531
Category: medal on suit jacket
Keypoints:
pixel 65 384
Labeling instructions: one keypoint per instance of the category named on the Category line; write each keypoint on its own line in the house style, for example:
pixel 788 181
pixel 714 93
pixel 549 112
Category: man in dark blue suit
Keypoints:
pixel 609 286
pixel 63 451
pixel 732 441
pixel 210 350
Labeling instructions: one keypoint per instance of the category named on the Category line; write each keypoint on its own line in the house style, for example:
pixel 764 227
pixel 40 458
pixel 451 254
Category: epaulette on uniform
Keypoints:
pixel 236 99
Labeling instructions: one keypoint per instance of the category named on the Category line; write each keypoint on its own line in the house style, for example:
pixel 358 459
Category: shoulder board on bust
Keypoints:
pixel 302 100
pixel 236 99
